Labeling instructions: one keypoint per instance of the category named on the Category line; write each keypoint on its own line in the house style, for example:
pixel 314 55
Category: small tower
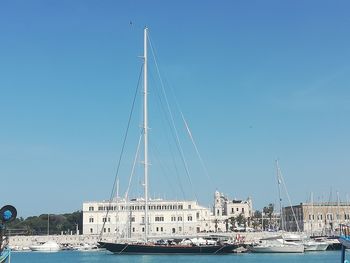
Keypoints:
pixel 217 204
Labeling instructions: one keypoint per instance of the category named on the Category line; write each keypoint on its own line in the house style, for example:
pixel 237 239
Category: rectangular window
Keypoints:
pixel 189 218
pixel 91 220
pixel 179 218
pixel 189 206
pixel 91 208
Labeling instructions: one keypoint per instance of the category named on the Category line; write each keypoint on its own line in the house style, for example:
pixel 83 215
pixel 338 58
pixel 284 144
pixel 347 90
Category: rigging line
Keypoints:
pixel 289 200
pixel 187 127
pixel 174 162
pixel 122 149
pixel 196 148
pixel 133 167
pixel 173 122
pixel 126 132
pixel 165 170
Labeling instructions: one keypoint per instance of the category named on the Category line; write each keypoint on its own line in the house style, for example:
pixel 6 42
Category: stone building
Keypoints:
pixel 317 218
pixel 224 209
pixel 166 217
pixel 127 219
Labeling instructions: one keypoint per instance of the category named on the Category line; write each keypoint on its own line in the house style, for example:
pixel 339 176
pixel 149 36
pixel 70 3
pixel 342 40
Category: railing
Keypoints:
pixel 344 231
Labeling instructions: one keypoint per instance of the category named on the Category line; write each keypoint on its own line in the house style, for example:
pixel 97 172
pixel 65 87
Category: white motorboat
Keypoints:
pixel 277 245
pixel 309 244
pixel 49 246
pixel 86 247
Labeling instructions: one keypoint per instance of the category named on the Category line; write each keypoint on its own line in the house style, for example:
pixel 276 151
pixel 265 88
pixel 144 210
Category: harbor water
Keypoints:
pixel 106 257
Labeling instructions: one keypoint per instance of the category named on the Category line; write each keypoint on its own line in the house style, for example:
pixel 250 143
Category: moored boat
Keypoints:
pixel 49 246
pixel 277 245
pixel 311 245
pixel 152 248
pixel 146 246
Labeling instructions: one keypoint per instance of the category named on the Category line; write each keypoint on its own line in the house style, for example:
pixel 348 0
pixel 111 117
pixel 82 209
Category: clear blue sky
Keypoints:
pixel 256 80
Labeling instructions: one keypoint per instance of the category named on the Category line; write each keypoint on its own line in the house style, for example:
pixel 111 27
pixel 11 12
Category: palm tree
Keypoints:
pixel 241 220
pixel 268 210
pixel 232 222
pixel 216 224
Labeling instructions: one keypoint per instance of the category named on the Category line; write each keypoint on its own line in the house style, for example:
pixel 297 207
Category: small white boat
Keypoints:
pixel 49 246
pixel 277 245
pixel 86 247
pixel 311 245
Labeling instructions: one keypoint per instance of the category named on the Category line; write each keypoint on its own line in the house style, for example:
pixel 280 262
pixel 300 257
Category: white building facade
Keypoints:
pixel 127 219
pixel 225 209
pixel 165 217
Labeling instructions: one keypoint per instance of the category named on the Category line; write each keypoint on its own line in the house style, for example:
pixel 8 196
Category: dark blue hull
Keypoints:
pixel 124 248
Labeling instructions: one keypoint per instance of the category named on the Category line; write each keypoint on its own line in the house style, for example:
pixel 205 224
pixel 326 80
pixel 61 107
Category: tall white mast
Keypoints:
pixel 145 130
pixel 312 212
pixel 279 181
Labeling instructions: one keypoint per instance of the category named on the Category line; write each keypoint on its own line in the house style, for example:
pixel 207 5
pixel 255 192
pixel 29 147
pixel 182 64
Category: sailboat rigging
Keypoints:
pixel 165 247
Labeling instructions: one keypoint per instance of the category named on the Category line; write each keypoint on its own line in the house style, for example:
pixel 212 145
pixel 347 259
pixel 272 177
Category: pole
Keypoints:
pixel 145 130
pixel 342 253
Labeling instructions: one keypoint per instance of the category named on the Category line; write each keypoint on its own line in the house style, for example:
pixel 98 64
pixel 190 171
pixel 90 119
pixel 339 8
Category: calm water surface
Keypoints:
pixel 103 256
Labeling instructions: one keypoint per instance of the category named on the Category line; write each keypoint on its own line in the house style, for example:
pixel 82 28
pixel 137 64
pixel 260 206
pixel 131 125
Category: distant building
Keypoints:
pixel 166 217
pixel 317 218
pixel 127 219
pixel 225 208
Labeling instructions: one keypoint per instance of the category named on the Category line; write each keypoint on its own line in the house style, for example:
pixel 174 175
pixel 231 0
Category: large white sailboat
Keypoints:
pixel 146 246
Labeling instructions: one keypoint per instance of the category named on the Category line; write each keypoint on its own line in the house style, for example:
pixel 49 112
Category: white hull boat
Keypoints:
pixel 278 248
pixel 49 246
pixel 315 246
pixel 86 247
pixel 277 245
pixel 282 248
